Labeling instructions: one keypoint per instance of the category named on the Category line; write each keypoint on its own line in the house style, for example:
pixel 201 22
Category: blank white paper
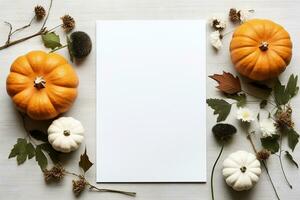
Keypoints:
pixel 151 121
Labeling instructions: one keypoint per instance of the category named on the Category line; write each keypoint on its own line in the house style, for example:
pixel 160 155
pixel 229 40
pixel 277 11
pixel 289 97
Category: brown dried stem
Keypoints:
pixel 264 164
pixel 93 187
pixel 43 30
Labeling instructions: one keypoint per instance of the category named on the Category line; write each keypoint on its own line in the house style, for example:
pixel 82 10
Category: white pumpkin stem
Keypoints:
pixel 67 132
pixel 39 82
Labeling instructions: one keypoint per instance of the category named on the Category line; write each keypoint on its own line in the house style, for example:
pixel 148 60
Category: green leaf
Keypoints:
pixel 41 158
pixel 30 150
pixel 51 40
pixel 240 98
pixel 39 135
pixel 19 151
pixel 293 138
pixel 53 154
pixel 270 143
pixel 266 89
pixel 84 162
pixel 280 94
pixel 221 108
pixel 292 88
pixel 290 158
pixel 263 103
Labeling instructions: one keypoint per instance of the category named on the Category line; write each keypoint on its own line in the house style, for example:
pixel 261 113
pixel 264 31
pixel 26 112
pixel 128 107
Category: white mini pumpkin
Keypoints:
pixel 65 134
pixel 241 170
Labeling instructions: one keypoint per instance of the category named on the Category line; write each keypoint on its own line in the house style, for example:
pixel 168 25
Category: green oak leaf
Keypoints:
pixel 85 162
pixel 265 88
pixel 51 40
pixel 19 151
pixel 292 88
pixel 39 135
pixel 41 158
pixel 221 108
pixel 280 94
pixel 53 154
pixel 293 138
pixel 270 143
pixel 240 98
pixel 30 150
pixel 290 158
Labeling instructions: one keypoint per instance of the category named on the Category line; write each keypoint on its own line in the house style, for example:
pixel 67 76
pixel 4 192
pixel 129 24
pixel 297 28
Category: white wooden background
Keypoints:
pixel 26 181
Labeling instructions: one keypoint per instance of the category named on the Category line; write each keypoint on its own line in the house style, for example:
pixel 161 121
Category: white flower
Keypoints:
pixel 267 127
pixel 245 114
pixel 244 15
pixel 217 23
pixel 215 39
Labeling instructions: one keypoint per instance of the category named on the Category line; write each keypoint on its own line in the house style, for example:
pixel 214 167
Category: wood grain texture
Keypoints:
pixel 26 181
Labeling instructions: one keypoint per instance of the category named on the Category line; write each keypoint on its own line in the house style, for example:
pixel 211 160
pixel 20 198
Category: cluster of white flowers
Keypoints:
pixel 218 25
pixel 267 126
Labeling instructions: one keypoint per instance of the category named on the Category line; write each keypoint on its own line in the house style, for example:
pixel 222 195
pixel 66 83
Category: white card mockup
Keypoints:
pixel 151 121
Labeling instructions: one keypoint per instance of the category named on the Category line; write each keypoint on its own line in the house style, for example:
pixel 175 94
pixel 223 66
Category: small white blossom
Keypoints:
pixel 267 127
pixel 244 15
pixel 215 40
pixel 245 114
pixel 217 23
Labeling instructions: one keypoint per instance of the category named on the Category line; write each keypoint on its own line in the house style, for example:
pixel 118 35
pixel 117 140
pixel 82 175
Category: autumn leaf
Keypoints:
pixel 227 83
pixel 270 143
pixel 85 162
pixel 290 158
pixel 221 108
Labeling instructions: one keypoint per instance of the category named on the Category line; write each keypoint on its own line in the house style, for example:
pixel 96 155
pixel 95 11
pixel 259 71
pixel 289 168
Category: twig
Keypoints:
pixel 58 48
pixel 22 28
pixel 264 165
pixel 54 28
pixel 212 173
pixel 23 39
pixel 281 166
pixel 93 187
pixel 9 34
pixel 43 30
pixel 47 16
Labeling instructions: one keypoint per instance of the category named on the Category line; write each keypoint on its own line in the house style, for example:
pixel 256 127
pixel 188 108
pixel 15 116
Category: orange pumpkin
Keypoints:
pixel 42 85
pixel 260 49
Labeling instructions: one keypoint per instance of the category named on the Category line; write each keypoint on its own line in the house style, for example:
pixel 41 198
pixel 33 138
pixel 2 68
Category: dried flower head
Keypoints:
pixel 234 15
pixel 79 185
pixel 239 16
pixel 79 44
pixel 217 23
pixel 283 118
pixel 68 23
pixel 263 154
pixel 40 12
pixel 56 173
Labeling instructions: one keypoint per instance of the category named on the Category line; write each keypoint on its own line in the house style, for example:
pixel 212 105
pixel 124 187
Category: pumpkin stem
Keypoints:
pixel 264 46
pixel 67 132
pixel 243 169
pixel 39 82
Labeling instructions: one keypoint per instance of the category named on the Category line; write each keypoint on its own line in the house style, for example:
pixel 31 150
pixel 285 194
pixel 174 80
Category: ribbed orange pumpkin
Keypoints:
pixel 42 85
pixel 260 49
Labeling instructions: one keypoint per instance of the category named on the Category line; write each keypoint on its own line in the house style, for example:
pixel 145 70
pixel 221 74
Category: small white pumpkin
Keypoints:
pixel 241 170
pixel 65 134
